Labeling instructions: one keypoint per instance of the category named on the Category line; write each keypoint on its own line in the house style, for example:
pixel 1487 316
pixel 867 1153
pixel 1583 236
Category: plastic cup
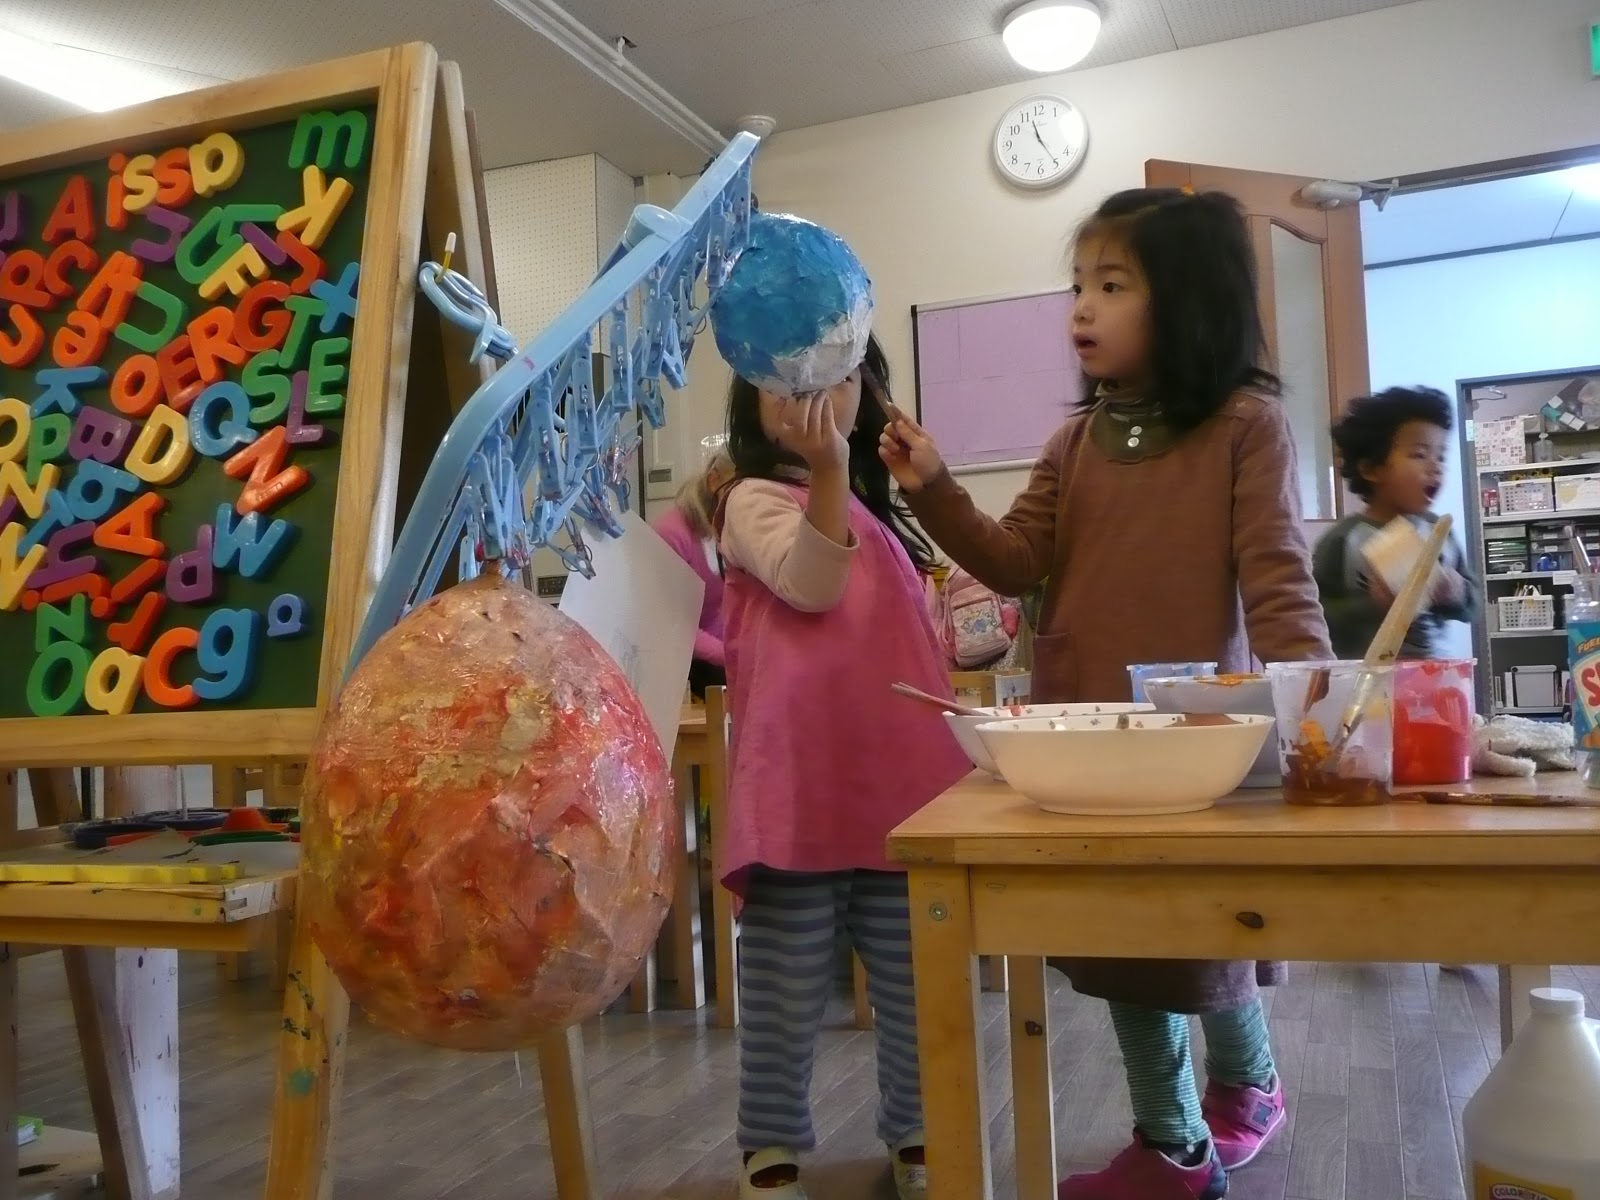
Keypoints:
pixel 1433 721
pixel 1311 699
pixel 1143 671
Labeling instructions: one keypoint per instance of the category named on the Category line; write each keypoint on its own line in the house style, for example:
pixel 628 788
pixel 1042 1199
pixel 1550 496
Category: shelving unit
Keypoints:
pixel 1514 551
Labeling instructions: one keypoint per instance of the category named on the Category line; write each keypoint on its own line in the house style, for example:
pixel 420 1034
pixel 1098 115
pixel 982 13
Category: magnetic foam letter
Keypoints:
pixel 141 579
pixel 296 429
pixel 13 482
pixel 54 697
pixel 100 435
pixel 109 294
pixel 96 489
pixel 172 311
pixel 136 387
pixel 134 633
pixel 260 322
pixel 317 138
pixel 53 624
pixel 58 564
pixel 228 643
pixel 61 385
pixel 268 481
pixel 243 546
pixel 323 202
pixel 175 187
pixel 20 348
pixel 15 566
pixel 262 241
pixel 312 268
pixel 325 393
pixel 139 186
pixel 47 441
pixel 216 163
pixel 180 373
pixel 211 336
pixel 205 248
pixel 116 192
pixel 306 309
pixel 16 419
pixel 162 451
pixel 220 420
pixel 267 384
pixel 58 515
pixel 241 268
pixel 14 219
pixel 191 579
pixel 80 341
pixel 73 215
pixel 338 299
pixel 286 616
pixel 91 585
pixel 133 530
pixel 69 254
pixel 22 279
pixel 175 225
pixel 111 684
pixel 158 683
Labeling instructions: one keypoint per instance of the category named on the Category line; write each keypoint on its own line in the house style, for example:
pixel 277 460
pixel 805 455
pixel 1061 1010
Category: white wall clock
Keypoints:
pixel 1040 141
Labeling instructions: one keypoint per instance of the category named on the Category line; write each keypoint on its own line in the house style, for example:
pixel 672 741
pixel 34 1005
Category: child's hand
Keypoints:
pixel 908 451
pixel 807 428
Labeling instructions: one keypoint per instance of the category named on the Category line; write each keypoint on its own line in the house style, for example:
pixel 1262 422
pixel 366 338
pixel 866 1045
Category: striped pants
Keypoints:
pixel 786 959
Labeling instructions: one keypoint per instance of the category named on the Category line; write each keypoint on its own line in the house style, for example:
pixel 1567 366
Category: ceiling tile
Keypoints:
pixel 1198 22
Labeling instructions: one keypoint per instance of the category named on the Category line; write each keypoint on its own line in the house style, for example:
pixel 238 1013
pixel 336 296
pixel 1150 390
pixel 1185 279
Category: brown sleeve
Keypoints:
pixel 1282 613
pixel 1009 555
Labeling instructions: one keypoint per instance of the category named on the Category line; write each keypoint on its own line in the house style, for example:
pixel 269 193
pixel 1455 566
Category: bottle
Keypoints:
pixel 1583 662
pixel 1530 1129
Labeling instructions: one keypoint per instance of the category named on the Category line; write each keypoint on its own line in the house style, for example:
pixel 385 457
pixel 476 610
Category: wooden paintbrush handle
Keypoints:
pixel 1391 634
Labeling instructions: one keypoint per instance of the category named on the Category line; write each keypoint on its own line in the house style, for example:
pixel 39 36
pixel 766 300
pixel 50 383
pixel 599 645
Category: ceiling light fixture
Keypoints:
pixel 85 78
pixel 1051 35
pixel 601 57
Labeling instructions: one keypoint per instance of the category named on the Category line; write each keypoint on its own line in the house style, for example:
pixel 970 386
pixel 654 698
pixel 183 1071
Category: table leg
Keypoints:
pixel 1032 1091
pixel 316 1020
pixel 566 1108
pixel 1515 984
pixel 994 973
pixel 947 1034
pixel 8 1068
pixel 687 960
pixel 725 930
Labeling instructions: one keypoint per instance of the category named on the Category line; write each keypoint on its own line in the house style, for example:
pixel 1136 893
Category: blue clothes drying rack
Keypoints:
pixel 535 458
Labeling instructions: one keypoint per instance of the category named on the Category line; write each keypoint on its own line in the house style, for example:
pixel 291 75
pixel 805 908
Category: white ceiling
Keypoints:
pixel 1525 210
pixel 801 61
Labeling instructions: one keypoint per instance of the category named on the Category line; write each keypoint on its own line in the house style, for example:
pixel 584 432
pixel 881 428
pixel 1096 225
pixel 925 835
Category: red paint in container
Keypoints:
pixel 1433 718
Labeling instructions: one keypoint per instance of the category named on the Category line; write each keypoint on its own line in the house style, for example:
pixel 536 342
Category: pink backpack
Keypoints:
pixel 972 622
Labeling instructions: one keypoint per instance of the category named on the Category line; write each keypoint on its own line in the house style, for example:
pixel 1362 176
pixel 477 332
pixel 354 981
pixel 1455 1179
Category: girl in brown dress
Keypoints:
pixel 1165 513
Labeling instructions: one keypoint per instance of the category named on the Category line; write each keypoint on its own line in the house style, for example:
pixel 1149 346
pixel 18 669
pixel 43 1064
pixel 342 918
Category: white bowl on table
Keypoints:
pixel 1243 693
pixel 966 728
pixel 1160 763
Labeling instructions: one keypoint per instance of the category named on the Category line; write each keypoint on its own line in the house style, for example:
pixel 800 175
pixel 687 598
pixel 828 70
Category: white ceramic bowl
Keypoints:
pixel 1159 764
pixel 1225 694
pixel 966 728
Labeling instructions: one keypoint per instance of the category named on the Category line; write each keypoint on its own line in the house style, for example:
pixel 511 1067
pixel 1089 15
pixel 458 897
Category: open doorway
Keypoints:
pixel 1488 287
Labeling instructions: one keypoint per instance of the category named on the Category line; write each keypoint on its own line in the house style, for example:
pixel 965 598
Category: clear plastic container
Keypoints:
pixel 1433 717
pixel 1140 672
pixel 1582 611
pixel 1310 699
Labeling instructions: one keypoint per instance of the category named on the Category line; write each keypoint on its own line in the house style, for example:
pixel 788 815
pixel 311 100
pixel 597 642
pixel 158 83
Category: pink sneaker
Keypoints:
pixel 1140 1173
pixel 1242 1119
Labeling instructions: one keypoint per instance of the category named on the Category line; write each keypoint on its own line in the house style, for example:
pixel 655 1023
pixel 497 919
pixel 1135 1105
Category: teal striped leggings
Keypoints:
pixel 787 935
pixel 1155 1052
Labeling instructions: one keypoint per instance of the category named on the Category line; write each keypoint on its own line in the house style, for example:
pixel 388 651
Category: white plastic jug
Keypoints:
pixel 1533 1128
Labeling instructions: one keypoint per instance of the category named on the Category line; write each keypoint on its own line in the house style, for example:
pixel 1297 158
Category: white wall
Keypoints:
pixel 1430 85
pixel 1512 313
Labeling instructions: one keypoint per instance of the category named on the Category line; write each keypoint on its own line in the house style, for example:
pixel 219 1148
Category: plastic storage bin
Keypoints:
pixel 1535 687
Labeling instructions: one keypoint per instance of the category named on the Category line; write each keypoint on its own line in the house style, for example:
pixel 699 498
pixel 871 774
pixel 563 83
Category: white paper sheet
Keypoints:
pixel 643 606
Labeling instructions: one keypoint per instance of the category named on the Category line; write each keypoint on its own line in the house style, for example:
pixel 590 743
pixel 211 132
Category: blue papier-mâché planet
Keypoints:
pixel 796 311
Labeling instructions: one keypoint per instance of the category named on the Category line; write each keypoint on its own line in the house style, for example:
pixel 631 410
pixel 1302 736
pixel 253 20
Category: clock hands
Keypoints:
pixel 1039 137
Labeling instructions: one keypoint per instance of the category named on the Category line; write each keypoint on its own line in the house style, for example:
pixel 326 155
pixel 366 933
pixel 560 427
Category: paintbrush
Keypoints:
pixel 939 702
pixel 892 415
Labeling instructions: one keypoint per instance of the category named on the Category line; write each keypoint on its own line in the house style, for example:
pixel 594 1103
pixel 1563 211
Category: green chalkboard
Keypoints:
pixel 105 622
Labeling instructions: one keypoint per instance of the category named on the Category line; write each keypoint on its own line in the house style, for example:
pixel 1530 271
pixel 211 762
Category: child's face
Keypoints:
pixel 1408 480
pixel 844 398
pixel 1111 316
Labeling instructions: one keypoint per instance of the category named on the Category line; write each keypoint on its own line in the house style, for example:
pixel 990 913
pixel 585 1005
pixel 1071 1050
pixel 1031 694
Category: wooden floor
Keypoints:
pixel 1378 1061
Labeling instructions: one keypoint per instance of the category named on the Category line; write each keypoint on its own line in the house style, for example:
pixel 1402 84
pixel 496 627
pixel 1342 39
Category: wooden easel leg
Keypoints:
pixel 1032 1096
pixel 228 791
pixel 725 925
pixel 125 1003
pixel 566 1107
pixel 1515 984
pixel 311 1048
pixel 687 961
pixel 8 1068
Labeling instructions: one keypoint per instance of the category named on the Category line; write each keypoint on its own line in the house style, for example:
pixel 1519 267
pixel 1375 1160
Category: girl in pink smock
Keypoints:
pixel 824 608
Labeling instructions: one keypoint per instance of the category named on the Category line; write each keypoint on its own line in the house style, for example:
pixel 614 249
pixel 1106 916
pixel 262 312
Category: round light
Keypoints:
pixel 1051 35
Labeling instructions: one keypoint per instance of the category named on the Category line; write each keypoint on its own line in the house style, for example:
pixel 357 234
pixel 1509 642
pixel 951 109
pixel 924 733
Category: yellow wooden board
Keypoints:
pixel 112 873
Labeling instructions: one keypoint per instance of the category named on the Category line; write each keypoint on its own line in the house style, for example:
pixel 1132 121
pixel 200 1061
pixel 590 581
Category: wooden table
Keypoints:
pixel 1250 879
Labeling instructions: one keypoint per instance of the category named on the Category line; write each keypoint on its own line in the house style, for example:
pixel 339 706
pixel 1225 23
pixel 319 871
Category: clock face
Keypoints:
pixel 1040 142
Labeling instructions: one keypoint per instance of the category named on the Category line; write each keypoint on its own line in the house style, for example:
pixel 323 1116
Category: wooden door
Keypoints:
pixel 1313 304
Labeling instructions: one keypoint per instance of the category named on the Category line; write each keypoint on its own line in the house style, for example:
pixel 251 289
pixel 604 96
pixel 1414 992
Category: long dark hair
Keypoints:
pixel 756 457
pixel 1206 339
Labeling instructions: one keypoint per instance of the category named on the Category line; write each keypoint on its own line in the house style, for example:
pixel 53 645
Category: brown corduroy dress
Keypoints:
pixel 1171 550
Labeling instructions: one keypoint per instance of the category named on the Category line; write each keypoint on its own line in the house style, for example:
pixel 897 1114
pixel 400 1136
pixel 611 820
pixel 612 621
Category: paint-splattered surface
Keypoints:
pixel 795 313
pixel 489 830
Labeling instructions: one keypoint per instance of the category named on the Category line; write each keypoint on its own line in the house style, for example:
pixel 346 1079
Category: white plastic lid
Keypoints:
pixel 1556 1002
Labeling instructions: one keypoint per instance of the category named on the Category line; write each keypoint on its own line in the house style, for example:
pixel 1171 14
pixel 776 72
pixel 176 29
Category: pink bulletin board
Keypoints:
pixel 995 377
